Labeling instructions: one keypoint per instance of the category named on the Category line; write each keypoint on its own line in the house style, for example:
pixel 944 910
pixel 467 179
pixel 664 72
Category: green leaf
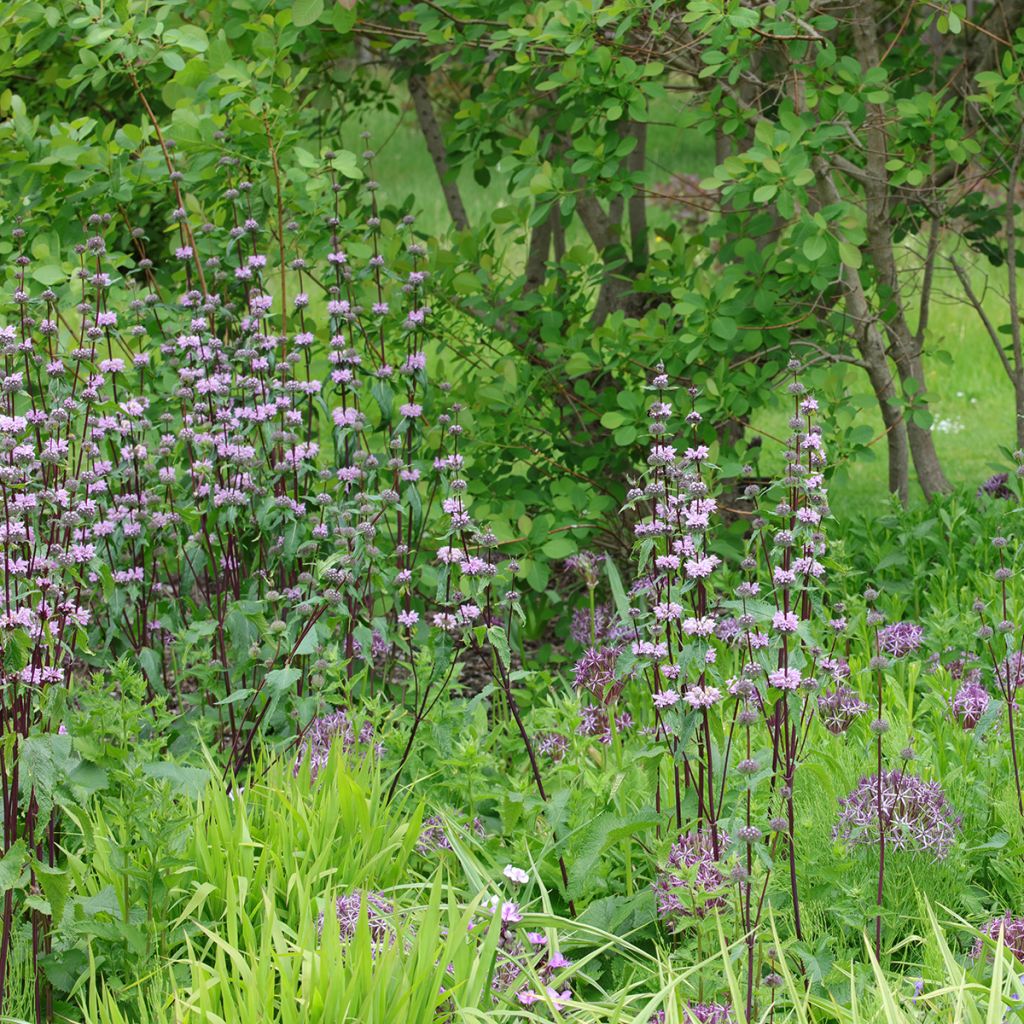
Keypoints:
pixel 499 641
pixel 55 884
pixel 11 867
pixel 187 781
pixel 850 255
pixel 281 679
pixel 49 275
pixel 814 247
pixel 595 838
pixel 173 60
pixel 618 590
pixel 560 547
pixel 305 12
pixel 188 37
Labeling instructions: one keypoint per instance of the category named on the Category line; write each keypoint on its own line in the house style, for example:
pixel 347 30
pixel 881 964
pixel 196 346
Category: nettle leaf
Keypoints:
pixel 282 679
pixel 592 841
pixel 13 867
pixel 499 641
pixel 46 763
pixel 187 781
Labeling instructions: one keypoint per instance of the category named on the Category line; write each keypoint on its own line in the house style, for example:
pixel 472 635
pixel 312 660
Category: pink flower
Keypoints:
pixel 785 678
pixel 785 622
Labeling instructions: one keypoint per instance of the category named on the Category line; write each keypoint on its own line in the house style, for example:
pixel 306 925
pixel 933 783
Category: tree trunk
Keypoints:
pixel 906 351
pixel 873 354
pixel 922 442
pixel 537 253
pixel 438 153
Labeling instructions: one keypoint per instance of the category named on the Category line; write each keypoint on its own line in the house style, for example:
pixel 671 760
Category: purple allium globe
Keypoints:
pixel 839 708
pixel 969 703
pixel 692 881
pixel 433 836
pixel 915 815
pixel 607 625
pixel 321 735
pixel 594 722
pixel 379 914
pixel 1010 674
pixel 900 638
pixel 1013 935
pixel 552 744
pixel 700 1013
pixel 596 673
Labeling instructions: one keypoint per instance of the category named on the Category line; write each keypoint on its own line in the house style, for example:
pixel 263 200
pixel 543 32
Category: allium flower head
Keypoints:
pixel 379 913
pixel 997 486
pixel 323 733
pixel 552 744
pixel 596 673
pixel 900 638
pixel 969 703
pixel 691 883
pixel 433 836
pixel 700 1013
pixel 915 815
pixel 839 708
pixel 1013 935
pixel 607 625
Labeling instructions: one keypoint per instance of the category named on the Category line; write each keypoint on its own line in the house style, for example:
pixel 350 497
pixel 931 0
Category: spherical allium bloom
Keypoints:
pixel 915 815
pixel 552 744
pixel 969 703
pixel 607 625
pixel 900 638
pixel 379 914
pixel 1013 935
pixel 321 735
pixel 692 883
pixel 699 1013
pixel 596 673
pixel 594 722
pixel 839 708
pixel 433 836
pixel 1010 673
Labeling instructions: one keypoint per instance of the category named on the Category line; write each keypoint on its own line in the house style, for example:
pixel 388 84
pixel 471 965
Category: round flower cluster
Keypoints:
pixel 969 703
pixel 692 883
pixel 915 815
pixel 900 638
pixel 1013 935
